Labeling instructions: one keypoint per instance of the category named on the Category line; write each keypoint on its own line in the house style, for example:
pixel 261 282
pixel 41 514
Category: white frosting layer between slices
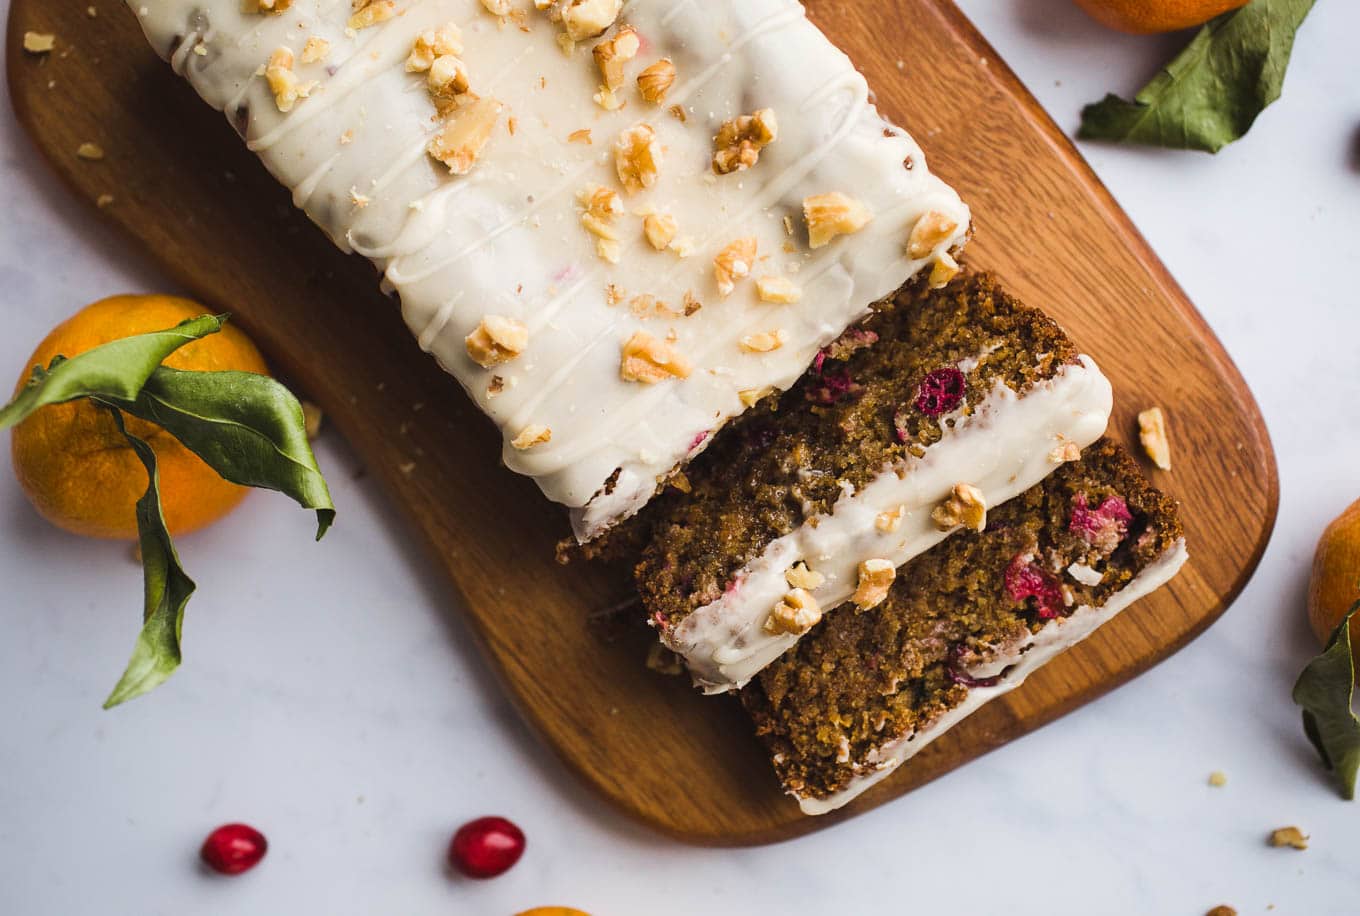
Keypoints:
pixel 1055 637
pixel 1003 449
pixel 506 239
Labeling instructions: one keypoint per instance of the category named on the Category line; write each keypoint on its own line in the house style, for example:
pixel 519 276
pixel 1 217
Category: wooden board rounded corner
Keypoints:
pixel 684 764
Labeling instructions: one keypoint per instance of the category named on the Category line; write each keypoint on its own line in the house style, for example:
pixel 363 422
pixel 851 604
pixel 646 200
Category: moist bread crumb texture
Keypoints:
pixel 873 399
pixel 861 679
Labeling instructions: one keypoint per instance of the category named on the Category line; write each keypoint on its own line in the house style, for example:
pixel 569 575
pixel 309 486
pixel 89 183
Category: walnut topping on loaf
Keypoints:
pixel 656 80
pixel 832 215
pixel 468 129
pixel 283 82
pixel 496 340
pixel 532 435
pixel 648 360
pixel 779 290
pixel 734 263
pixel 965 506
pixel 660 230
pixel 315 50
pixel 875 578
pixel 797 613
pixel 930 230
pixel 371 12
pixel 588 18
pixel 637 158
pixel 432 44
pixel 602 209
pixel 612 53
pixel 739 141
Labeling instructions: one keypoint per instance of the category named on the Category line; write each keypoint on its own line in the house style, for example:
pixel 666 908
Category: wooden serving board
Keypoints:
pixel 186 189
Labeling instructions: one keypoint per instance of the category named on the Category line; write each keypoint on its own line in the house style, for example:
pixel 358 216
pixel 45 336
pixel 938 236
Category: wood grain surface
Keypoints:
pixel 185 188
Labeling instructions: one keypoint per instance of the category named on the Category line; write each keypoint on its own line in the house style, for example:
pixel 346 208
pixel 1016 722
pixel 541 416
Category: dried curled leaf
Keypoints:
pixel 1324 690
pixel 1210 94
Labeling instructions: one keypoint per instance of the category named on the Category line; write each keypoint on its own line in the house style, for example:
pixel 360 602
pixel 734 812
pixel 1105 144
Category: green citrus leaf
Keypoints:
pixel 1324 690
pixel 1211 93
pixel 167 589
pixel 246 427
pixel 115 370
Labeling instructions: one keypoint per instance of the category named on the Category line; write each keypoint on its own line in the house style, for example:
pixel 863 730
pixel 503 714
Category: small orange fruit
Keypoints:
pixel 1335 586
pixel 552 911
pixel 78 470
pixel 1144 17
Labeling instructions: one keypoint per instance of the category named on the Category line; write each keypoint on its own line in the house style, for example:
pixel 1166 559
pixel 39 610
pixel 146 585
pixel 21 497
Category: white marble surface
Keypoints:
pixel 332 699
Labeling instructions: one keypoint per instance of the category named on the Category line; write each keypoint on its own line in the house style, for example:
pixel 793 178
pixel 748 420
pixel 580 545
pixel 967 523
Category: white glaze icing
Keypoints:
pixel 1003 449
pixel 1055 637
pixel 506 239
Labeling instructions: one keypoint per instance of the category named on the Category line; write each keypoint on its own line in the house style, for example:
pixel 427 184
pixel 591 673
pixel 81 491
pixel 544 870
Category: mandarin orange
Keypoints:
pixel 74 465
pixel 1145 17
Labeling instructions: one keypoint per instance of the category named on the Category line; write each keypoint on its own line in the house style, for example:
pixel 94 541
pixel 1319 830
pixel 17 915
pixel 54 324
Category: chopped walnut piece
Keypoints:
pixel 1289 836
pixel 1066 450
pixel 875 578
pixel 447 79
pixel 889 520
pixel 91 152
pixel 944 270
pixel 315 50
pixel 39 42
pixel 601 207
pixel 648 360
pixel 965 506
pixel 264 6
pixel 690 303
pixel 434 43
pixel 750 397
pixel 1152 435
pixel 608 99
pixel 831 215
pixel 799 576
pixel 465 133
pixel 637 158
pixel 930 230
pixel 372 13
pixel 612 53
pixel 780 290
pixel 656 80
pixel 580 136
pixel 734 263
pixel 497 7
pixel 283 82
pixel 531 435
pixel 797 613
pixel 496 340
pixel 614 294
pixel 739 141
pixel 660 230
pixel 588 18
pixel 764 342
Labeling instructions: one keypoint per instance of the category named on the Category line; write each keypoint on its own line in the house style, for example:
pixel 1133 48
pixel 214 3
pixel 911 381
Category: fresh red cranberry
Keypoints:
pixel 233 848
pixel 941 391
pixel 1104 527
pixel 1025 580
pixel 833 387
pixel 486 847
